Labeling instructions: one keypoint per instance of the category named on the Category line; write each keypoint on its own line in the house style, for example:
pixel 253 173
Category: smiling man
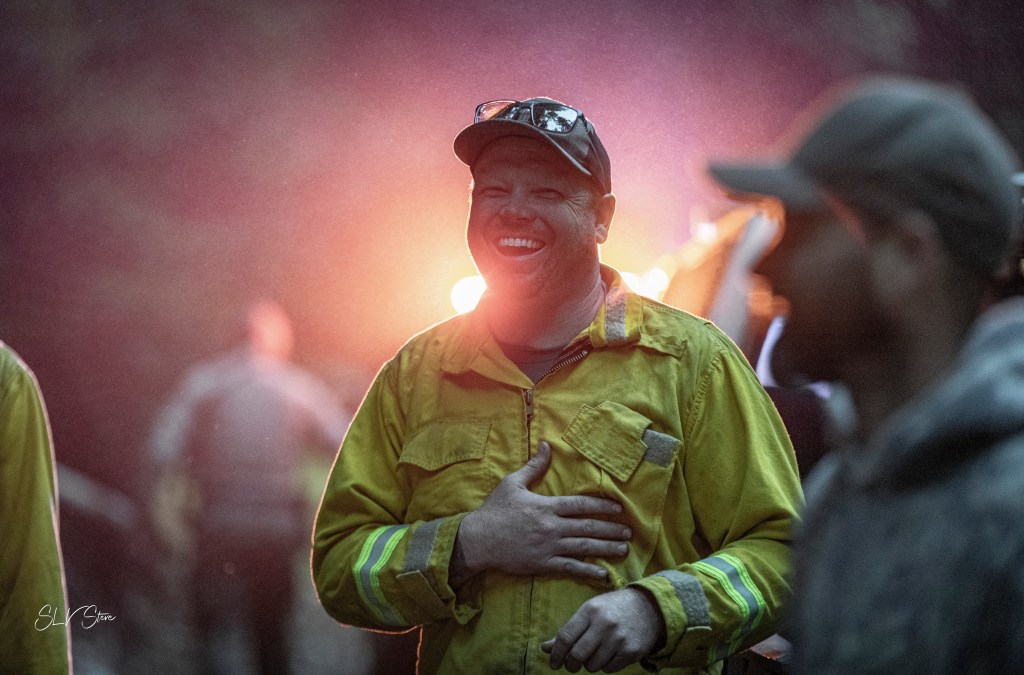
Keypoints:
pixel 570 475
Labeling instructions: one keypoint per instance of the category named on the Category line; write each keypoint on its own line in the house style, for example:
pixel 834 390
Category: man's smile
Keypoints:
pixel 515 247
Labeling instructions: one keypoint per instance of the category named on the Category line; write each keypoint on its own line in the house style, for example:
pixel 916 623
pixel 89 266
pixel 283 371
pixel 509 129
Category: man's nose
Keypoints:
pixel 518 208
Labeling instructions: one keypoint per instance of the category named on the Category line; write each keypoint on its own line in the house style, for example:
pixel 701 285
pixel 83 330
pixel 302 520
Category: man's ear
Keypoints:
pixel 603 211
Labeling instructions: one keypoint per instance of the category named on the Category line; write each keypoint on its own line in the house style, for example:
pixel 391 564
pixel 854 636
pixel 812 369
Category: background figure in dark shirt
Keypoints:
pixel 230 449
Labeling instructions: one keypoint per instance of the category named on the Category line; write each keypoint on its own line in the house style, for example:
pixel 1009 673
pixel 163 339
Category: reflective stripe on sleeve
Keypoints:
pixel 732 575
pixel 375 554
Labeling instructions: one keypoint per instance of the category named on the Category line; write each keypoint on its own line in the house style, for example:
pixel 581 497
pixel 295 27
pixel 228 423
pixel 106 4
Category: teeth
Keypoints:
pixel 519 243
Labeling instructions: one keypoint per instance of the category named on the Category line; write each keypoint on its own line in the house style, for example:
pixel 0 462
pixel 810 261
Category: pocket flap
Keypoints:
pixel 445 442
pixel 611 436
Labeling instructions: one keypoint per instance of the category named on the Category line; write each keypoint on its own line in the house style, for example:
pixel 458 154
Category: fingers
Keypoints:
pixel 592 548
pixel 534 469
pixel 583 651
pixel 582 505
pixel 571 567
pixel 592 528
pixel 521 532
pixel 565 640
pixel 605 634
pixel 603 658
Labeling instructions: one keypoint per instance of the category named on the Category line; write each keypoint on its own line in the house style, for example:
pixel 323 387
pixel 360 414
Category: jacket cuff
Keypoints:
pixel 424 576
pixel 683 606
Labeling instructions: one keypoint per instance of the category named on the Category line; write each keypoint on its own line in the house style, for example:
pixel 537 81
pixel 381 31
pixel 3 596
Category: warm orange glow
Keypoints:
pixel 466 293
pixel 651 283
pixel 632 280
pixel 655 281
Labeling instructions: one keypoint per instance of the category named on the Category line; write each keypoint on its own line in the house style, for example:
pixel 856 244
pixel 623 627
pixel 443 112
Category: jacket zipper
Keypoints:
pixel 528 402
pixel 528 405
pixel 574 355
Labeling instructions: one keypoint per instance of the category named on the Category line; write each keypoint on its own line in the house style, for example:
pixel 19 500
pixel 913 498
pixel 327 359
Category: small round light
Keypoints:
pixel 466 293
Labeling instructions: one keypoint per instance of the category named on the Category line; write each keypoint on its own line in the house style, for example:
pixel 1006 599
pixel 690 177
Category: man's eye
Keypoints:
pixel 491 191
pixel 549 194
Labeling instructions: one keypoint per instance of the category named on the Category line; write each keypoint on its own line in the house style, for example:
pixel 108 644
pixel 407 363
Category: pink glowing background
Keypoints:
pixel 162 165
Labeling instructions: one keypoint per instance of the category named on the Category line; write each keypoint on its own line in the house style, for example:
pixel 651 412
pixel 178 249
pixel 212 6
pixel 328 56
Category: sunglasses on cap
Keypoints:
pixel 548 116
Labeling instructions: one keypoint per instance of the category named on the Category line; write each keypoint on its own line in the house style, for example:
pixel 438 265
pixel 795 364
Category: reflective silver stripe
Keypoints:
pixel 660 447
pixel 731 573
pixel 615 317
pixel 420 546
pixel 691 597
pixel 375 553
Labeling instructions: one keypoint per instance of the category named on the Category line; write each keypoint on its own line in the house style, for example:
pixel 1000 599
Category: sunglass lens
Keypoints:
pixel 554 117
pixel 492 109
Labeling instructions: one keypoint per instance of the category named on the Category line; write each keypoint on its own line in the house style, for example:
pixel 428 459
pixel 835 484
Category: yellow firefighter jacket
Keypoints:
pixel 649 406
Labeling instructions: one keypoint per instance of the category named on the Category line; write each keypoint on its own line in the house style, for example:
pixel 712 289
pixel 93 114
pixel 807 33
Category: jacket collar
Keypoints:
pixel 618 322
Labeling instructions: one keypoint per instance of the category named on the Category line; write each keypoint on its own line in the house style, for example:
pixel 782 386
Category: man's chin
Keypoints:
pixel 511 287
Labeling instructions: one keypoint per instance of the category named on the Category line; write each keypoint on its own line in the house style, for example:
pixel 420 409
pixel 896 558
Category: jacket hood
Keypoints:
pixel 978 403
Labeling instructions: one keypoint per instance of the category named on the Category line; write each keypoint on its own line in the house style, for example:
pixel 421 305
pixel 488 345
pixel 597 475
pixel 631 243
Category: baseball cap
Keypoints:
pixel 888 144
pixel 565 128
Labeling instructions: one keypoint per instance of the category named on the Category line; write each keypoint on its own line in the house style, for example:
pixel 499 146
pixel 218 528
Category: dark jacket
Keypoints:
pixel 911 555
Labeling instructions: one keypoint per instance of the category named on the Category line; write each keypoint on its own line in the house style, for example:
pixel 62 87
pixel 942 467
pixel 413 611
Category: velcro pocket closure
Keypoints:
pixel 611 436
pixel 661 448
pixel 445 442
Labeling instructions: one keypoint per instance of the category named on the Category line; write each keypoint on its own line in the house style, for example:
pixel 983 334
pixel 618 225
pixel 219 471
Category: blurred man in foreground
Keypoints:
pixel 570 475
pixel 34 626
pixel 900 211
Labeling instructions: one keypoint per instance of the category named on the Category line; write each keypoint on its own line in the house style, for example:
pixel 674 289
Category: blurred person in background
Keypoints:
pixel 230 450
pixel 570 475
pixel 899 213
pixel 35 634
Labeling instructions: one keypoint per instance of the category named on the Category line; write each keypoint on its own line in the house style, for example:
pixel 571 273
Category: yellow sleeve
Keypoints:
pixel 31 571
pixel 744 490
pixel 370 567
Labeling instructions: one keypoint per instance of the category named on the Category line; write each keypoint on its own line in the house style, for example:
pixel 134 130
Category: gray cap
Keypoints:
pixel 889 144
pixel 581 145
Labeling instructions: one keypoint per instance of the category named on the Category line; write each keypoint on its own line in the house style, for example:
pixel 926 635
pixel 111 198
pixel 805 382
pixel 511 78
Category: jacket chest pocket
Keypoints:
pixel 624 459
pixel 443 465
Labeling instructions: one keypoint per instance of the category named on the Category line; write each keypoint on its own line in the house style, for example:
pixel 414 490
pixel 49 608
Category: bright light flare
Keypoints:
pixel 705 231
pixel 632 280
pixel 652 284
pixel 466 293
pixel 656 280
